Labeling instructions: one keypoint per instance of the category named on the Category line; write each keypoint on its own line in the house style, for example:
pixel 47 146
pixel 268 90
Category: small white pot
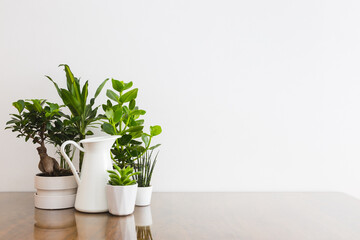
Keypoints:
pixel 121 199
pixel 143 197
pixel 55 192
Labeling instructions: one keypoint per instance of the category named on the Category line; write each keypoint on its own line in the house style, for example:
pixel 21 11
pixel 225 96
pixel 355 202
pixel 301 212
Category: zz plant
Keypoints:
pixel 75 97
pixel 122 176
pixel 40 122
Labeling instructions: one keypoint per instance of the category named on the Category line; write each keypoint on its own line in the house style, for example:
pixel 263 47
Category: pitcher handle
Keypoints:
pixel 72 167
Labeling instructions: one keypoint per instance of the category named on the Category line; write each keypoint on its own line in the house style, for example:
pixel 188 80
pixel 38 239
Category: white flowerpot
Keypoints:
pixel 143 197
pixel 121 199
pixel 55 192
pixel 143 216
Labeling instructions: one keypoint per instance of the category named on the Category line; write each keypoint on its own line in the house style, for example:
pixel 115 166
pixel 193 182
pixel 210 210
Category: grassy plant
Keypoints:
pixel 145 165
pixel 122 177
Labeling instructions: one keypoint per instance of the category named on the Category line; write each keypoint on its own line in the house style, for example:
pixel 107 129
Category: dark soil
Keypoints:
pixel 60 173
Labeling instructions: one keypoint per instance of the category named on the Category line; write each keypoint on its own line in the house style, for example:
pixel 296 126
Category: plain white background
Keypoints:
pixel 252 95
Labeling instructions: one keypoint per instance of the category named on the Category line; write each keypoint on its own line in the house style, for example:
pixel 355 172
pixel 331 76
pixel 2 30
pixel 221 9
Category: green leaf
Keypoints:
pixel 20 105
pixel 128 96
pixel 37 105
pixel 98 90
pixel 138 112
pixel 155 130
pixel 153 147
pixel 56 86
pixel 134 129
pixel 84 93
pixel 145 139
pixel 128 85
pixel 112 95
pixel 72 83
pixel 108 128
pixel 132 104
pixel 125 139
pixel 117 85
pixel 117 115
pixel 109 114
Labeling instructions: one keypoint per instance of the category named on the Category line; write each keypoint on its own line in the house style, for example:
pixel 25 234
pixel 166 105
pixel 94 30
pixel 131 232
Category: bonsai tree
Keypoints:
pixel 39 121
pixel 75 97
pixel 122 117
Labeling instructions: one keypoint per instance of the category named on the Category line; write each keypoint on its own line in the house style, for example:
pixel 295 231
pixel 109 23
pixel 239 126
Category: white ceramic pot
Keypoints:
pixel 143 197
pixel 55 192
pixel 121 199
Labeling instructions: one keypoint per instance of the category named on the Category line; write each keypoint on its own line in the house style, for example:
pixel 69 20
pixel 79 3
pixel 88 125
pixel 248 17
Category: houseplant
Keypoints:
pixel 122 117
pixel 121 191
pixel 75 97
pixel 40 122
pixel 145 165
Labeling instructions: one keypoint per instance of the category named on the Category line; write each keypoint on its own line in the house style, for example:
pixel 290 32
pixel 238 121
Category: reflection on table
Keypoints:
pixel 71 224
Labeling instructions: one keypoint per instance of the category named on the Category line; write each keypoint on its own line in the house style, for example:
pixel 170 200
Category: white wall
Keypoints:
pixel 252 95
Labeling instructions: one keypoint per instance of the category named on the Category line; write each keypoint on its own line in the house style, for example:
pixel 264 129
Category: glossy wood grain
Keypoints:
pixel 172 216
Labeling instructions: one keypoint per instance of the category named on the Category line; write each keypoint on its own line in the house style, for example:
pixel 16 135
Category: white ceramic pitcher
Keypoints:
pixel 91 193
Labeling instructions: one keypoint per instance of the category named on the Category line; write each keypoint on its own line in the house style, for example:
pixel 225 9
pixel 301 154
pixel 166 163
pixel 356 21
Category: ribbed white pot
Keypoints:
pixel 121 199
pixel 143 197
pixel 55 192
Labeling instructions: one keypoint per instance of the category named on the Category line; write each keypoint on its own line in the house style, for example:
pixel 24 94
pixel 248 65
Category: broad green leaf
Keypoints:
pixel 128 96
pixel 138 112
pixel 117 115
pixel 117 85
pixel 98 90
pixel 145 139
pixel 132 104
pixel 20 105
pixel 135 129
pixel 155 130
pixel 140 122
pixel 37 105
pixel 112 95
pixel 125 139
pixel 128 85
pixel 109 113
pixel 108 128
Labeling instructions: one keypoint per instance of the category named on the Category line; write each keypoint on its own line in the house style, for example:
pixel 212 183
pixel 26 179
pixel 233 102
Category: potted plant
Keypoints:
pixel 121 191
pixel 145 166
pixel 122 118
pixel 83 113
pixel 40 122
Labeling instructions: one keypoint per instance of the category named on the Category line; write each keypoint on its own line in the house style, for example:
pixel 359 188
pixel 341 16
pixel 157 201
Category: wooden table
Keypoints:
pixel 172 216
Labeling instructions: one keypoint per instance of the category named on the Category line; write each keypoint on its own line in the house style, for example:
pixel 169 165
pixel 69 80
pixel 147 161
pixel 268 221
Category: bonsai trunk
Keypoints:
pixel 48 165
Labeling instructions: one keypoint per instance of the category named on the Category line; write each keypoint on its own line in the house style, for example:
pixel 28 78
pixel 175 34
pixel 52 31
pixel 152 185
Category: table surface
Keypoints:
pixel 172 216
